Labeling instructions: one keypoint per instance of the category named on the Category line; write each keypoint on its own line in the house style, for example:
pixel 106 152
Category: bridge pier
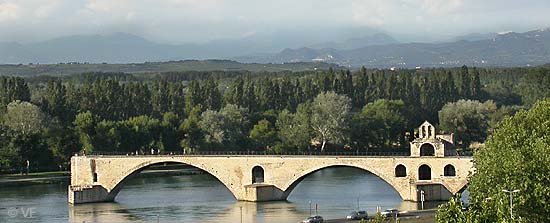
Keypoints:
pixel 262 192
pixel 433 192
pixel 88 194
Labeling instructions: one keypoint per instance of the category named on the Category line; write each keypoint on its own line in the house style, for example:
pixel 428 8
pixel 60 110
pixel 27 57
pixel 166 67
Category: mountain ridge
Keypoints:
pixel 509 49
pixel 376 50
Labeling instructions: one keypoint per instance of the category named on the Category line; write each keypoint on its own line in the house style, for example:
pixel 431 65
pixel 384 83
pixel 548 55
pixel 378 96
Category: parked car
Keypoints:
pixel 357 215
pixel 390 213
pixel 313 219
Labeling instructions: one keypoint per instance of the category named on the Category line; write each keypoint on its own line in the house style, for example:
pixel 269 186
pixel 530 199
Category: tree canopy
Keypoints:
pixel 329 117
pixel 467 119
pixel 515 157
pixel 171 112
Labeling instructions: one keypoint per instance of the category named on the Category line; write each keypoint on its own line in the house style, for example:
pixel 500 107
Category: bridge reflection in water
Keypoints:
pixel 201 198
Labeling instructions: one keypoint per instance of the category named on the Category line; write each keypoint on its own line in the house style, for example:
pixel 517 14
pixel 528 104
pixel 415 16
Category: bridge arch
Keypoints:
pixel 291 185
pixel 118 183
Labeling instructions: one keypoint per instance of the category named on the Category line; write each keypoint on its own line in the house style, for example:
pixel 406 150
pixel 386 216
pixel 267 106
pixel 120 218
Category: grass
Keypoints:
pixel 34 175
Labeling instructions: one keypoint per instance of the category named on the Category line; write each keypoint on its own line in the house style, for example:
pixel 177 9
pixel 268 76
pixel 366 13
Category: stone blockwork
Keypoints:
pixel 100 178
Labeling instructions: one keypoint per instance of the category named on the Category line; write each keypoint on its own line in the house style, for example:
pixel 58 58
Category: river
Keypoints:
pixel 201 198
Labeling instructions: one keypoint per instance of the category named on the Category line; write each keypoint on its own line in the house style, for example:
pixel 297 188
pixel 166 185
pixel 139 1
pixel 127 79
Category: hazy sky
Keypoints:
pixel 178 21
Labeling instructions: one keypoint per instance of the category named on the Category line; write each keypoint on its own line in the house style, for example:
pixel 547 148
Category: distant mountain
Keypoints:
pixel 115 48
pixel 475 37
pixel 126 48
pixel 354 43
pixel 373 50
pixel 509 49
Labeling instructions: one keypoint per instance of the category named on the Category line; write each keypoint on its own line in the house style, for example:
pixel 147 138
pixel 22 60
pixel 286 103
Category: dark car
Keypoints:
pixel 357 215
pixel 313 219
pixel 390 213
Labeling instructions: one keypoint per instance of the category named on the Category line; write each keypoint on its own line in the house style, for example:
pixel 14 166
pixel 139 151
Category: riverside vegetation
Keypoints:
pixel 46 119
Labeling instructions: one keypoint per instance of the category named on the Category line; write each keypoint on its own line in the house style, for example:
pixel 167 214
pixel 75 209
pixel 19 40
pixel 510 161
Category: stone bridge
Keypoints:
pixel 269 177
pixel 433 168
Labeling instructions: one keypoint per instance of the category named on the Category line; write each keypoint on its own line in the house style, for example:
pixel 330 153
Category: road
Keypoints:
pixel 413 216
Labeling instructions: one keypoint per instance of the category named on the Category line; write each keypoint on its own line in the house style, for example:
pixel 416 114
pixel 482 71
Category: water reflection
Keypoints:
pixel 201 198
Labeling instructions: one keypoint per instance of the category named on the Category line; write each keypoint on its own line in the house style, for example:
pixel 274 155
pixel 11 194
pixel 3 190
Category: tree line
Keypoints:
pixel 47 119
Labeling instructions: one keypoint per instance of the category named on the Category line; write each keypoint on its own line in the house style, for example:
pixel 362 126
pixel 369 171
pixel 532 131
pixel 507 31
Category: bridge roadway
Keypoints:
pixel 99 178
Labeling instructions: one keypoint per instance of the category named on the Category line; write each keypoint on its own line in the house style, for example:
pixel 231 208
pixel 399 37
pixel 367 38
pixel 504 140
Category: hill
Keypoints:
pixel 354 43
pixel 509 49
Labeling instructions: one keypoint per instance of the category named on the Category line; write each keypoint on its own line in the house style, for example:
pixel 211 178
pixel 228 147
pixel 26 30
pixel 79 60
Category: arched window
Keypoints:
pixel 449 170
pixel 257 174
pixel 424 172
pixel 427 150
pixel 400 171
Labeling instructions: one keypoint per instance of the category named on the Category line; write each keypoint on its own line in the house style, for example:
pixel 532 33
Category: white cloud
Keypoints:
pixel 202 20
pixel 108 5
pixel 47 8
pixel 441 7
pixel 8 11
pixel 371 13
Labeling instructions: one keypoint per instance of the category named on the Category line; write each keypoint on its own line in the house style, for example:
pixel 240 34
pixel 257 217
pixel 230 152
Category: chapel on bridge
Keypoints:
pixel 428 143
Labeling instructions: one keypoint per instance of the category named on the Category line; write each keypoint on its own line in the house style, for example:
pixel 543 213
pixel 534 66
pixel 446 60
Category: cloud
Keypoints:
pixel 8 11
pixel 47 8
pixel 203 20
pixel 441 7
pixel 382 12
pixel 108 5
pixel 371 13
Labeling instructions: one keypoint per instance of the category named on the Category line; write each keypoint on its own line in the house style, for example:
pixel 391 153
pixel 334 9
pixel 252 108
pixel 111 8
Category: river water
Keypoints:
pixel 201 198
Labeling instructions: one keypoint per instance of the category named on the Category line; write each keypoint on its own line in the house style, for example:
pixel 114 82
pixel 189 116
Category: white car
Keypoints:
pixel 313 219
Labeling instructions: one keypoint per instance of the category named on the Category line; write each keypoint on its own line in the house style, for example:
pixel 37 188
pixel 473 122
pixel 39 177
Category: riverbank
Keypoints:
pixel 64 176
pixel 34 178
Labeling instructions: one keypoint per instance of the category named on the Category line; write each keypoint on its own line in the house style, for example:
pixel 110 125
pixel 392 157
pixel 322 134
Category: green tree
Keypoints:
pixel 55 102
pixel 170 135
pixel 144 133
pixel 12 89
pixel 224 127
pixel 515 157
pixel 535 85
pixel 379 218
pixel 62 141
pixel 85 127
pixel 294 130
pixel 10 155
pixel 25 117
pixel 192 135
pixel 160 98
pixel 25 124
pixel 329 118
pixel 469 120
pixel 262 134
pixel 381 123
pixel 451 212
pixel 212 95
